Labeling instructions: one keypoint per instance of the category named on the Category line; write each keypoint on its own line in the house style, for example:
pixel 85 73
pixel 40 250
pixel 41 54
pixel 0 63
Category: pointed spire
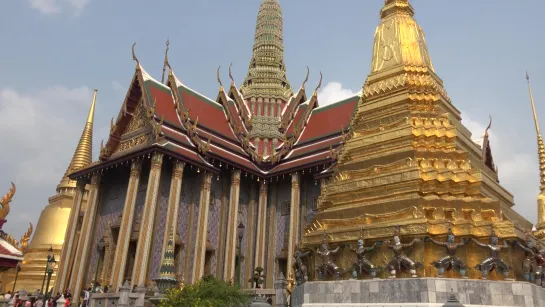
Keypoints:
pixel 84 151
pixel 541 157
pixel 399 40
pixel 540 145
pixel 266 75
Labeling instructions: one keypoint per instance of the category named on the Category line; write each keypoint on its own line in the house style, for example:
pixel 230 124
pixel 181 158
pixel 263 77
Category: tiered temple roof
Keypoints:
pixel 209 133
pixel 11 251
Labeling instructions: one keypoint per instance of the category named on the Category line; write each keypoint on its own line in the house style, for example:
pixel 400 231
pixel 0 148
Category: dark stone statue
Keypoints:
pixel 493 262
pixel 299 267
pixel 327 266
pixel 534 260
pixel 450 260
pixel 401 261
pixel 363 265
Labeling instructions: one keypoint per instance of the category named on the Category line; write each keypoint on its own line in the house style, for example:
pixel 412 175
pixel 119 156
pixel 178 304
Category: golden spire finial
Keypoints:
pixel 533 105
pixel 541 157
pixel 165 62
pixel 84 151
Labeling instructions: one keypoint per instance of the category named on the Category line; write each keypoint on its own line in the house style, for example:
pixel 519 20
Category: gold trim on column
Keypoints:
pixel 125 229
pixel 86 235
pixel 202 228
pixel 250 236
pixel 171 225
pixel 294 219
pixel 261 237
pixel 69 239
pixel 145 235
pixel 269 270
pixel 231 241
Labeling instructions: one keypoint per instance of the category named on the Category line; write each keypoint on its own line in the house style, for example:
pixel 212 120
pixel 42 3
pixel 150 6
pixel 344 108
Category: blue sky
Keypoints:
pixel 54 52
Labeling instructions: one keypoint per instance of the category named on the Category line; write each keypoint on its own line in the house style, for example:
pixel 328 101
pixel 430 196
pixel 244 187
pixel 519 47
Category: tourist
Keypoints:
pixel 30 303
pixel 17 302
pixel 8 295
pixel 39 302
pixel 86 296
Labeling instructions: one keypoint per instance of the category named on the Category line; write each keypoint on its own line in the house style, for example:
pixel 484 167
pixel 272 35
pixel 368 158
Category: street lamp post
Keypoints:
pixel 49 256
pixel 240 235
pixel 100 248
pixel 50 267
pixel 17 270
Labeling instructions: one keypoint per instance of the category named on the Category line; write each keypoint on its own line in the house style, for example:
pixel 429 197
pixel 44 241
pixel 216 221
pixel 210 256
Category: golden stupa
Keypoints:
pixel 408 161
pixel 53 221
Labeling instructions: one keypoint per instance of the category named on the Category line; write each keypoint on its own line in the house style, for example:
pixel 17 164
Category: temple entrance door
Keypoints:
pixel 208 262
pixel 282 265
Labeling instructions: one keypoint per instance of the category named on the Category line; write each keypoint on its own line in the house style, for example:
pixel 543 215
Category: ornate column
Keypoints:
pixel 261 236
pixel 171 225
pixel 294 219
pixel 145 234
pixel 125 229
pixel 67 252
pixel 202 228
pixel 269 269
pixel 250 236
pixel 84 245
pixel 231 241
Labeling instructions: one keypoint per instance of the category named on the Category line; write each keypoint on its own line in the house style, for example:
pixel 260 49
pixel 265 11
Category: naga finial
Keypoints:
pixel 218 76
pixel 319 84
pixel 165 62
pixel 230 75
pixel 25 238
pixel 489 125
pixel 4 202
pixel 134 55
pixel 306 78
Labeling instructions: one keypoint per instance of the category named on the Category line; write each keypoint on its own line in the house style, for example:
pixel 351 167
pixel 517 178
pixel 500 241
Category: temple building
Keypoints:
pixel 180 172
pixel 53 220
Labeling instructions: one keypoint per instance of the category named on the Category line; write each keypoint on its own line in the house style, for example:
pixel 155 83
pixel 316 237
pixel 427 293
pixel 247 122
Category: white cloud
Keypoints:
pixel 333 92
pixel 39 132
pixel 50 7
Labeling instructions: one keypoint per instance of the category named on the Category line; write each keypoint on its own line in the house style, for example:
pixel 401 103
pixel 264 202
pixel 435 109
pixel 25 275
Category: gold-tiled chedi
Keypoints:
pixel 51 227
pixel 540 226
pixel 408 160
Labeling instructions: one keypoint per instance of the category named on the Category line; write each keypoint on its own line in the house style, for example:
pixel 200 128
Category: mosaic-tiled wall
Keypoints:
pixel 282 218
pixel 243 209
pixel 160 220
pixel 189 192
pixel 141 196
pixel 214 221
pixel 193 226
pixel 113 190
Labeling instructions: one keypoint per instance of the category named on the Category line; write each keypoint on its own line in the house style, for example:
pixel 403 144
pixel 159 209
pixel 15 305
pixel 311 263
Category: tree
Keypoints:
pixel 208 292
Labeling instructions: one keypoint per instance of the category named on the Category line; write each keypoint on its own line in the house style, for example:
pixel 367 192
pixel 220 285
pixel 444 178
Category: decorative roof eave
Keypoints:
pixel 124 117
pixel 139 154
pixel 245 112
pixel 291 105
